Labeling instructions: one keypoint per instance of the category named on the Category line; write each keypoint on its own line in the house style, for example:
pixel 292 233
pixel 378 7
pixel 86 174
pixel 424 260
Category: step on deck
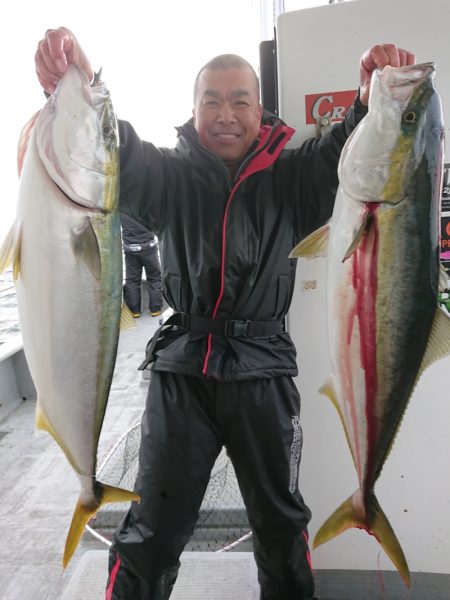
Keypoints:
pixel 203 575
pixel 233 576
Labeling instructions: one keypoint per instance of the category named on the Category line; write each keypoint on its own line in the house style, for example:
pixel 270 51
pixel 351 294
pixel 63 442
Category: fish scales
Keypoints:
pixel 384 323
pixel 66 249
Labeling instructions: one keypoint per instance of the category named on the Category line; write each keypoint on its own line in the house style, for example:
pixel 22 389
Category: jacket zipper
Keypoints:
pixel 240 177
pixel 222 275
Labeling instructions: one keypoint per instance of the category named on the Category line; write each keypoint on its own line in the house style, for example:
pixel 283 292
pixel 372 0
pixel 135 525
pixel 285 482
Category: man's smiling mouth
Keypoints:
pixel 227 136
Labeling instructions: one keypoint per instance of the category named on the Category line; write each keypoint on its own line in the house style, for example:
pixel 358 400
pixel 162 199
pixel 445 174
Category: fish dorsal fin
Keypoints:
pixel 359 234
pixel 438 341
pixel 313 245
pixel 86 249
pixel 126 318
pixel 10 250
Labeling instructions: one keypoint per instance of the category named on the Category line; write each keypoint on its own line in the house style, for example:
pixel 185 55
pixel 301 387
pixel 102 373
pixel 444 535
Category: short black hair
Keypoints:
pixel 226 61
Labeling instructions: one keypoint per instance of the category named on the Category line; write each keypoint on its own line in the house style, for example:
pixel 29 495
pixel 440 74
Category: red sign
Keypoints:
pixel 333 105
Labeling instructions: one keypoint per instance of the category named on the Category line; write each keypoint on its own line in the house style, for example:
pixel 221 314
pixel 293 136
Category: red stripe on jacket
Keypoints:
pixel 267 155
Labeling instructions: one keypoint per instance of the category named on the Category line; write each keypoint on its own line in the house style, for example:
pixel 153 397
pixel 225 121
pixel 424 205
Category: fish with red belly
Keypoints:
pixel 382 243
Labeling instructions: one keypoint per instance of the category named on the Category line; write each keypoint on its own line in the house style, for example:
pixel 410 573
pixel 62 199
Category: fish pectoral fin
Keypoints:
pixel 376 523
pixel 84 512
pixel 85 248
pixel 314 245
pixel 126 318
pixel 359 235
pixel 10 250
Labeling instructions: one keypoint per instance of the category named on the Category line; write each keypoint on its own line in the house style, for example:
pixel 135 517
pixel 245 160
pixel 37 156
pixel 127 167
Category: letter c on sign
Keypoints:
pixel 316 106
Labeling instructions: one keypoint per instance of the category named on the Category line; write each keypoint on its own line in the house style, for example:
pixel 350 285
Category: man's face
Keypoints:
pixel 227 113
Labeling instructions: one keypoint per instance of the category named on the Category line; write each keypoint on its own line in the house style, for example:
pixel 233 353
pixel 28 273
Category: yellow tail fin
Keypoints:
pixel 83 513
pixel 377 524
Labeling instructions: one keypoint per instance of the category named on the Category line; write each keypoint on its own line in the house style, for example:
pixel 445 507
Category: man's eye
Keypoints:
pixel 211 103
pixel 241 103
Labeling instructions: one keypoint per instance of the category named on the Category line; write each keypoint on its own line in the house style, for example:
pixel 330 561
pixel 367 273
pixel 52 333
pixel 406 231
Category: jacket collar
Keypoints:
pixel 273 136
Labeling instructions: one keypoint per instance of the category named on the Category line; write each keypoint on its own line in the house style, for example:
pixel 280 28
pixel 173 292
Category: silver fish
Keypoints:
pixel 65 248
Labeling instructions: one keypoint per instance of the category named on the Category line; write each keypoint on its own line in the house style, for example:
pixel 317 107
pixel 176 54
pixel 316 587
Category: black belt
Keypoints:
pixel 226 327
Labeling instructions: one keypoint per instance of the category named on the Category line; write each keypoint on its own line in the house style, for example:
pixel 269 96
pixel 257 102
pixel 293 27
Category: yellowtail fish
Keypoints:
pixel 384 323
pixel 65 247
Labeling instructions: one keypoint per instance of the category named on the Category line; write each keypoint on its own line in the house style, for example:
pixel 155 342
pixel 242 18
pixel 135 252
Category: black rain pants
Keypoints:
pixel 186 422
pixel 147 259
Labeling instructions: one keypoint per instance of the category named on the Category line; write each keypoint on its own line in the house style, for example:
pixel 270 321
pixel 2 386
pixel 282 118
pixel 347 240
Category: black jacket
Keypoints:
pixel 225 244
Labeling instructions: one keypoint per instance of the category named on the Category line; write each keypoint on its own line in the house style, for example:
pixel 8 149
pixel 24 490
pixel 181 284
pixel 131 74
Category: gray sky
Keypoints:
pixel 150 52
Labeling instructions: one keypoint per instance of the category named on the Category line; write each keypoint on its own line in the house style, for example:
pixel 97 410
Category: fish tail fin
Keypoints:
pixel 80 519
pixel 10 250
pixel 84 512
pixel 350 514
pixel 112 494
pixel 383 532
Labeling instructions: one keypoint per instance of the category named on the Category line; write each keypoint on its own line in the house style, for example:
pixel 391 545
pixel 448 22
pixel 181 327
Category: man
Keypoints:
pixel 141 252
pixel 227 204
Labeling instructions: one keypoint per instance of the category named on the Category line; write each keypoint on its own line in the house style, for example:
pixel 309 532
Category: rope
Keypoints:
pixel 97 535
pixel 236 543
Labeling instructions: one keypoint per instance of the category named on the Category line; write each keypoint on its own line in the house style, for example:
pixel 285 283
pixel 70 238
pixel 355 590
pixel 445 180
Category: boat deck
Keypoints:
pixel 38 493
pixel 39 490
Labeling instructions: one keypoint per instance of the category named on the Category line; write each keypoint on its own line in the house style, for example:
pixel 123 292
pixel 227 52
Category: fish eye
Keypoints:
pixel 410 117
pixel 107 130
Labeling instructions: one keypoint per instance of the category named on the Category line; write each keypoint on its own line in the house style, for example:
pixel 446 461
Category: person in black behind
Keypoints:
pixel 141 252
